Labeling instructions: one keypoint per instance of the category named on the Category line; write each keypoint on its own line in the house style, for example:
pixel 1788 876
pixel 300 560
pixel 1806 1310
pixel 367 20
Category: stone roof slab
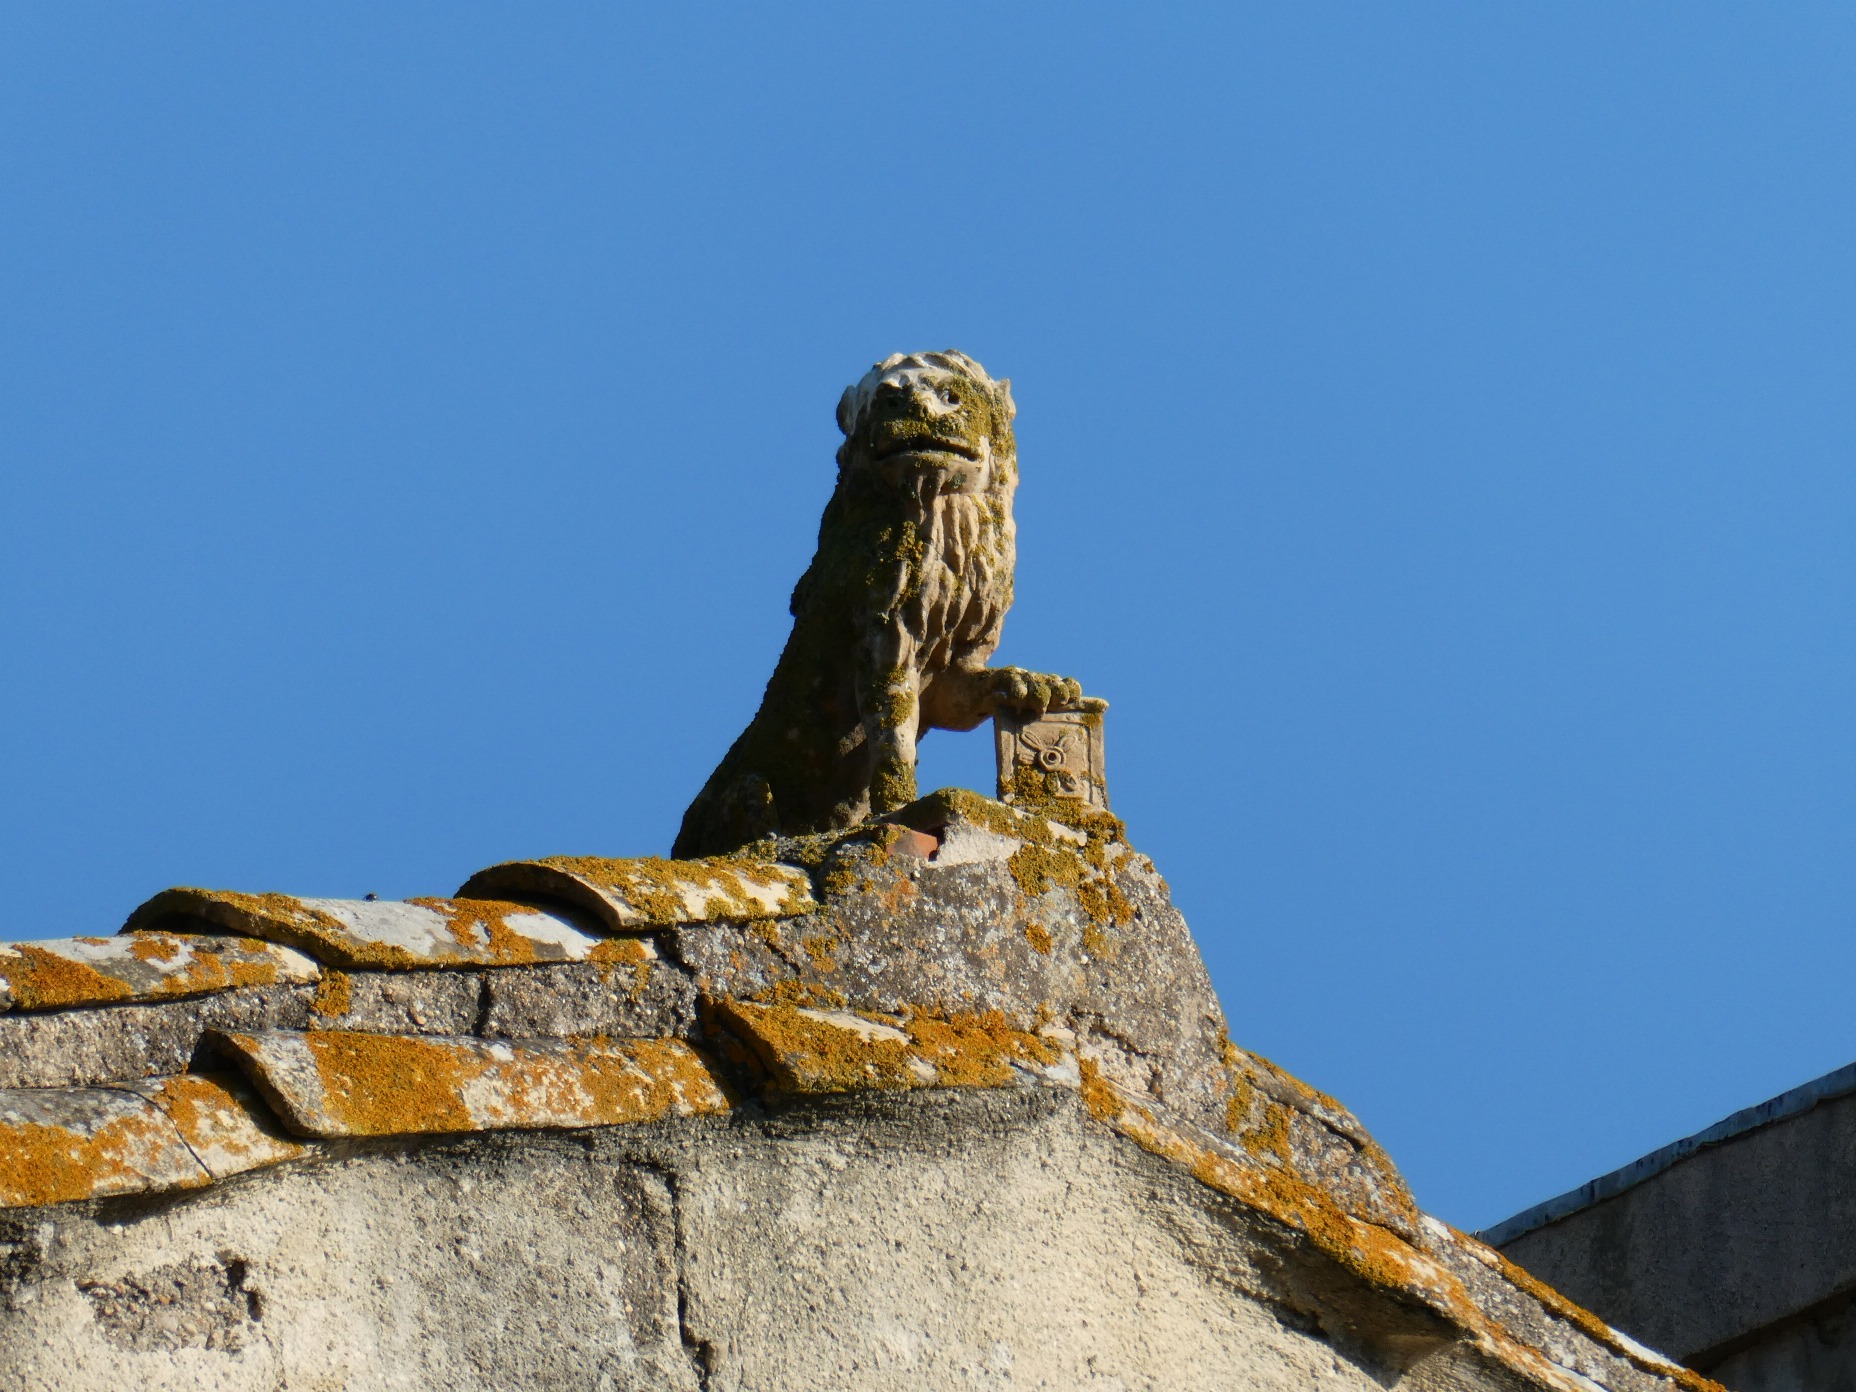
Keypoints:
pixel 334 1083
pixel 223 1121
pixel 58 1145
pixel 58 973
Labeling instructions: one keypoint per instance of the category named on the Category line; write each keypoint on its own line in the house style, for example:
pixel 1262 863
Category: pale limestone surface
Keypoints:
pixel 933 1241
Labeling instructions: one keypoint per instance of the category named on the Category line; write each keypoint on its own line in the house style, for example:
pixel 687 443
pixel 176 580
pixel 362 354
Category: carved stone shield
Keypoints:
pixel 1054 755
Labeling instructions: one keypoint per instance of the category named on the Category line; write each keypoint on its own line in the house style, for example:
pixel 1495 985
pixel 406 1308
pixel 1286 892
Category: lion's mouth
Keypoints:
pixel 919 444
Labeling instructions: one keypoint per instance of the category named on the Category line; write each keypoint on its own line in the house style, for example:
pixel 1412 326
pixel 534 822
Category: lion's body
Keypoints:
pixel 894 619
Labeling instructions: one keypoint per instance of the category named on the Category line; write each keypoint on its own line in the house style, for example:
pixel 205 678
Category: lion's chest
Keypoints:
pixel 959 599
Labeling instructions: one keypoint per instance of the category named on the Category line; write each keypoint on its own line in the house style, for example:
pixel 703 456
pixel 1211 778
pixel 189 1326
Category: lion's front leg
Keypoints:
pixel 961 697
pixel 889 699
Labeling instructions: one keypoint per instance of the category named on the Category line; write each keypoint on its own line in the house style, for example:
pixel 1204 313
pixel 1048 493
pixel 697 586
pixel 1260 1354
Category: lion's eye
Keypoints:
pixel 950 397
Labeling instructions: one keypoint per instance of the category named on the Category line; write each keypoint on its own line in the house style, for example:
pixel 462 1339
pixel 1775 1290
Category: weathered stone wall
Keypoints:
pixel 935 1106
pixel 927 1240
pixel 1734 1250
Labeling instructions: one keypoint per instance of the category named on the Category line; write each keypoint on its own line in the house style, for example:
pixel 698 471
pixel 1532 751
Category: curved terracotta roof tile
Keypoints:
pixel 57 973
pixel 334 1083
pixel 390 934
pixel 646 892
pixel 62 1144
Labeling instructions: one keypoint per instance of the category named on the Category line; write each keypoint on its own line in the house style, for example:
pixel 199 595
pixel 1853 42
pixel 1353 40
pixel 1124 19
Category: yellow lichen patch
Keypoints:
pixel 1039 937
pixel 182 967
pixel 1374 1253
pixel 633 957
pixel 976 1050
pixel 809 1050
pixel 333 1083
pixel 62 972
pixel 842 881
pixel 803 993
pixel 822 951
pixel 37 979
pixel 1261 1113
pixel 334 994
pixel 765 931
pixel 703 891
pixel 388 935
pixel 61 1146
pixel 638 1080
pixel 386 1085
pixel 1267 1134
pixel 623 950
pixel 1103 1102
pixel 805 1049
pixel 1243 1063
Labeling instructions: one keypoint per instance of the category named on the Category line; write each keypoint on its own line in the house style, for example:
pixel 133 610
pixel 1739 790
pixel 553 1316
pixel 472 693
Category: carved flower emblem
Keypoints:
pixel 1053 748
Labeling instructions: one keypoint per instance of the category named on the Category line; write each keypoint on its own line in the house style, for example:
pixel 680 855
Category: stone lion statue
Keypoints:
pixel 894 619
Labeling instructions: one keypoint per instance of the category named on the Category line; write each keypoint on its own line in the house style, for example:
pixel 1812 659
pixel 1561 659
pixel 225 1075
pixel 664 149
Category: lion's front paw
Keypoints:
pixel 1032 693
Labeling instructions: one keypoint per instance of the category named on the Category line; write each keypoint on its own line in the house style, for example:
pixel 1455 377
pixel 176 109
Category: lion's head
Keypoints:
pixel 930 423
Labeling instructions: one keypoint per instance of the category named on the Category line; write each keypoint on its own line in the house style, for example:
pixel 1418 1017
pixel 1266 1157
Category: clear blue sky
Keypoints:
pixel 1436 432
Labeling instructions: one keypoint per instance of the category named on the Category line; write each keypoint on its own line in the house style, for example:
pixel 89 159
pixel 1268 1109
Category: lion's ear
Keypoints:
pixel 1006 404
pixel 845 403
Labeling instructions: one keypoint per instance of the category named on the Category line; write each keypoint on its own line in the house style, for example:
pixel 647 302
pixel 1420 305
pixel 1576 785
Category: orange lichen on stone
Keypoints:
pixel 384 1085
pixel 646 1079
pixel 220 1121
pixel 59 1145
pixel 801 993
pixel 1264 1129
pixel 1103 1102
pixel 36 979
pixel 1373 1253
pixel 807 1050
pixel 62 972
pixel 622 951
pixel 634 958
pixel 977 1050
pixel 1265 1107
pixel 334 994
pixel 333 1083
